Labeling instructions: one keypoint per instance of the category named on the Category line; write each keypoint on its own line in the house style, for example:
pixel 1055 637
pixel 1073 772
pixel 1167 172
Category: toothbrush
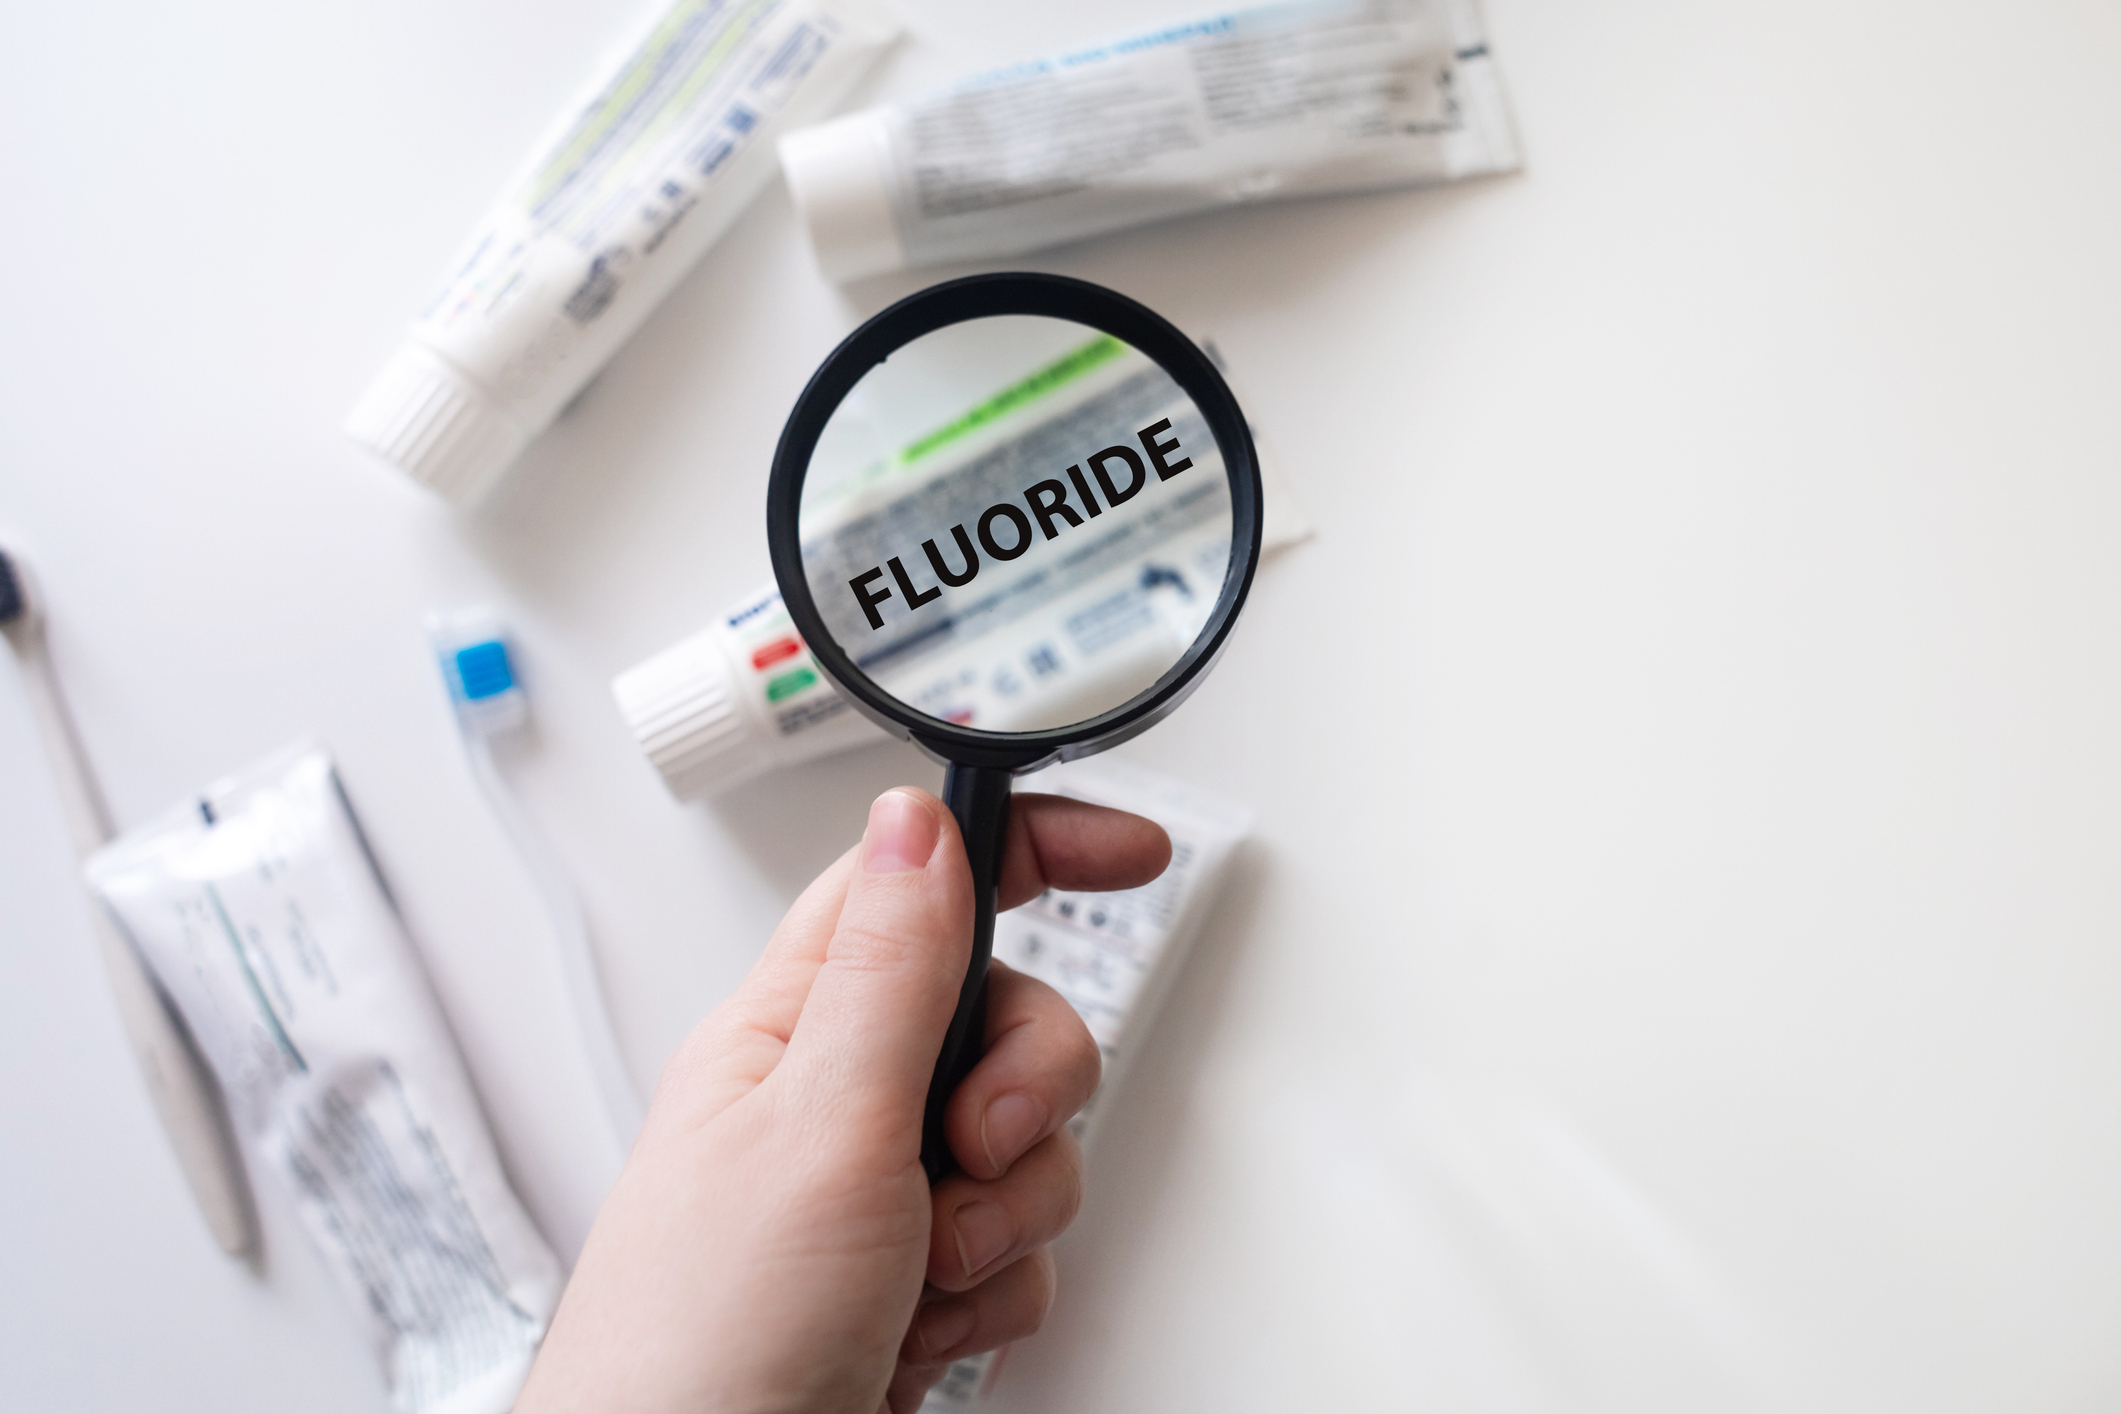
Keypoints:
pixel 183 1091
pixel 491 704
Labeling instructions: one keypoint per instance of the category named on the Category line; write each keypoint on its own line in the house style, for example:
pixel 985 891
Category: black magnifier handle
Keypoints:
pixel 979 797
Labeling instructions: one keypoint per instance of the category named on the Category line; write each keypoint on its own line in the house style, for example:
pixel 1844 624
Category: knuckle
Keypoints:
pixel 1066 1054
pixel 1071 1195
pixel 1055 1186
pixel 1077 1055
pixel 1039 1299
pixel 862 949
pixel 1085 1062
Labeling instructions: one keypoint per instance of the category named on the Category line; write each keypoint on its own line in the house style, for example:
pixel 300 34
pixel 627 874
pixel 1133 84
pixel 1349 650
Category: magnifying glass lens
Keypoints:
pixel 1015 523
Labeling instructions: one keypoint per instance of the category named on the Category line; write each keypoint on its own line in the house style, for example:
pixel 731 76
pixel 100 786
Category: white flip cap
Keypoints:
pixel 681 706
pixel 840 176
pixel 432 423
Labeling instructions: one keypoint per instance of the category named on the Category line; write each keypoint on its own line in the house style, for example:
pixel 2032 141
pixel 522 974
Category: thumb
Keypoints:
pixel 872 1025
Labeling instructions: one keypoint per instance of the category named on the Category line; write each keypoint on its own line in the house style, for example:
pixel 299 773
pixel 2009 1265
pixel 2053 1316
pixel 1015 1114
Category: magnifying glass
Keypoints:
pixel 1014 517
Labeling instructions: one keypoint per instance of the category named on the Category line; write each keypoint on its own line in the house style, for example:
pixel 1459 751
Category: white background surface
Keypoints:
pixel 1679 966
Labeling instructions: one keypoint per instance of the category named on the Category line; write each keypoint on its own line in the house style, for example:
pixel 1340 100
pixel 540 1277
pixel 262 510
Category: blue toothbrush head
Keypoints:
pixel 482 670
pixel 473 649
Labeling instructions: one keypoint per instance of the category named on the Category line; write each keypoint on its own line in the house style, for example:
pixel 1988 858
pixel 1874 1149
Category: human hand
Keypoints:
pixel 773 1244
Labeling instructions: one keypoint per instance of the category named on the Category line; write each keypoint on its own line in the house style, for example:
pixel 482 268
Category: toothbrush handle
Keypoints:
pixel 183 1090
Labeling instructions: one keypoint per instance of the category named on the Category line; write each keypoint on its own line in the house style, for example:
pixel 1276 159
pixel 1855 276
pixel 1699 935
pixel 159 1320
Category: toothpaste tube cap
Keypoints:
pixel 839 174
pixel 438 427
pixel 682 707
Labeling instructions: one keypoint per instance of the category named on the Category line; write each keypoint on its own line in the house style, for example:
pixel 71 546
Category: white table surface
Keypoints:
pixel 1680 965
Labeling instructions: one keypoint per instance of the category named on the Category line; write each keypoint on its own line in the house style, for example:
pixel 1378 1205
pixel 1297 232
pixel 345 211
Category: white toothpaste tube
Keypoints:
pixel 744 696
pixel 649 165
pixel 1286 100
pixel 1114 956
pixel 259 908
pixel 737 699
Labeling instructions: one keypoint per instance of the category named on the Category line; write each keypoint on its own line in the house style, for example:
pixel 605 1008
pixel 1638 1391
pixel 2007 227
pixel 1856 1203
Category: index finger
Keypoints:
pixel 1056 842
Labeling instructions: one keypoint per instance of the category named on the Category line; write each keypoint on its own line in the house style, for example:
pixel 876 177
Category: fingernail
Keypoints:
pixel 901 835
pixel 984 1232
pixel 943 1326
pixel 1008 1128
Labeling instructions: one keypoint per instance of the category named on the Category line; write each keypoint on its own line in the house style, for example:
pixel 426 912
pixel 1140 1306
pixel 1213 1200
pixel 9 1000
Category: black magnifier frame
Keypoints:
pixel 981 764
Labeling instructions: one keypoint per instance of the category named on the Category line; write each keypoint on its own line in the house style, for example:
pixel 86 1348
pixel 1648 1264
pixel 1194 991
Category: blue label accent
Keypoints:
pixel 483 670
pixel 756 607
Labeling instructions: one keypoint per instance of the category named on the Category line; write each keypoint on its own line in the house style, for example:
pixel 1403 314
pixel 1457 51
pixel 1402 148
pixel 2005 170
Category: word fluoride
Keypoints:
pixel 1048 501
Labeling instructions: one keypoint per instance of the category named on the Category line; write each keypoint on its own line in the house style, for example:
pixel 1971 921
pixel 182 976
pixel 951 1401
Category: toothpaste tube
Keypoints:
pixel 1114 956
pixel 259 909
pixel 641 174
pixel 1286 100
pixel 744 696
pixel 736 700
